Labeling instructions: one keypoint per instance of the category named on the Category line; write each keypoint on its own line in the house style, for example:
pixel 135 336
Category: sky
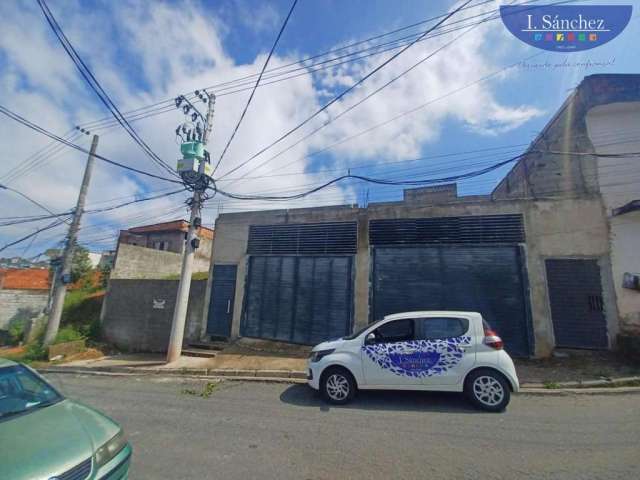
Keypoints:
pixel 480 97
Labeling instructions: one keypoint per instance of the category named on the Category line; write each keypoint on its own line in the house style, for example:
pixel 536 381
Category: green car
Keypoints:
pixel 44 436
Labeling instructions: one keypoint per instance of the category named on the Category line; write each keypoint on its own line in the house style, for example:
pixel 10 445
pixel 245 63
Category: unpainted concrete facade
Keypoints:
pixel 563 228
pixel 601 117
pixel 132 261
pixel 137 314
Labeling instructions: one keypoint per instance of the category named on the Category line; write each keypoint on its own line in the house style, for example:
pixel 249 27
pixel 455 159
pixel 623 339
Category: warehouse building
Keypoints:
pixel 534 256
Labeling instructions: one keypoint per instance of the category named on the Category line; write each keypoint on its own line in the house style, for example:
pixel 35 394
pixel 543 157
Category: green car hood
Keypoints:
pixel 49 441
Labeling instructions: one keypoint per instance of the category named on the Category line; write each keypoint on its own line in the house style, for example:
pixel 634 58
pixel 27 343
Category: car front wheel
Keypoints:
pixel 487 390
pixel 337 386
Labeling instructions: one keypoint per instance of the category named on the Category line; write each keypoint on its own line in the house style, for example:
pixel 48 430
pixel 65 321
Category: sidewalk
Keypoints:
pixel 578 371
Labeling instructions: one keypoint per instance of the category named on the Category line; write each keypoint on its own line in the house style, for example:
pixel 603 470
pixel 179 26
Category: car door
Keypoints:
pixel 447 343
pixel 386 361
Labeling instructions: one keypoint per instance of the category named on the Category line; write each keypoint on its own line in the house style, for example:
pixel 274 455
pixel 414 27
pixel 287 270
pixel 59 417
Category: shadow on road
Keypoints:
pixel 303 396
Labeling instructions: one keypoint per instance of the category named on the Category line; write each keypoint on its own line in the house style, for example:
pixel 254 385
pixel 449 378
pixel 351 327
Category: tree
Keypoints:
pixel 105 272
pixel 80 265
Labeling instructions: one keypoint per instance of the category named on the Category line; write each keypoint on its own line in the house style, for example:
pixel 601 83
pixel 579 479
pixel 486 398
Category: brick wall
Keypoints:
pixel 20 304
pixel 137 314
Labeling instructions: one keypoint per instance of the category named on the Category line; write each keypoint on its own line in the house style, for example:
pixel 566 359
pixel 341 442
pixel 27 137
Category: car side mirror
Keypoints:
pixel 370 338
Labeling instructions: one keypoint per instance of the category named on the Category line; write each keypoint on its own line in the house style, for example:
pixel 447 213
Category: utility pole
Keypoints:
pixel 191 244
pixel 63 273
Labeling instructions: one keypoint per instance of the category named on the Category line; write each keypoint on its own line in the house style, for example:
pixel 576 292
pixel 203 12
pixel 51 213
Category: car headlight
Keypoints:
pixel 316 356
pixel 110 449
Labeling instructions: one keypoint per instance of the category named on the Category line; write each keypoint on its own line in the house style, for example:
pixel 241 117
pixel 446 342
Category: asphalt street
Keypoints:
pixel 278 431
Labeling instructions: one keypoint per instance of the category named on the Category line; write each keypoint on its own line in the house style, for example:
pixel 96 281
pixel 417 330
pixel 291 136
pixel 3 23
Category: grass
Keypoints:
pixel 207 390
pixel 551 385
pixel 195 276
pixel 80 320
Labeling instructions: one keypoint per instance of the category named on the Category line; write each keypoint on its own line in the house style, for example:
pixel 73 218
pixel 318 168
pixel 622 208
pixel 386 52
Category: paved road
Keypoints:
pixel 256 430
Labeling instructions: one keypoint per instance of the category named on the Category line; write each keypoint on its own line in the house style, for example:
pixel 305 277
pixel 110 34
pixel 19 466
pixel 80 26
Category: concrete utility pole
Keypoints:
pixel 60 285
pixel 182 300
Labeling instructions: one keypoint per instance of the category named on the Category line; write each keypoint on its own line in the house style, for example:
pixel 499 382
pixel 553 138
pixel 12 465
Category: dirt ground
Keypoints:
pixel 577 366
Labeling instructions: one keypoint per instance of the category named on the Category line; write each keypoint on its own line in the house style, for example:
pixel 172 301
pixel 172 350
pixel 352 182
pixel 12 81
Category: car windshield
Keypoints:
pixel 21 390
pixel 359 332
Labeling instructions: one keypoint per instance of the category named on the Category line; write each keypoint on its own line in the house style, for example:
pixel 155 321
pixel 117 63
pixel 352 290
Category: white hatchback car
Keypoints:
pixel 439 351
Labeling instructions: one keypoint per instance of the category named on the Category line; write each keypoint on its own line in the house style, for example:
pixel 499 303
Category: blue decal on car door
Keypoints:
pixel 418 358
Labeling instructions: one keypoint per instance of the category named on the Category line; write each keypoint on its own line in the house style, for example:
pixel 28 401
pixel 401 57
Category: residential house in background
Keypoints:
pixel 155 251
pixel 94 258
pixel 106 259
pixel 167 236
pixel 138 307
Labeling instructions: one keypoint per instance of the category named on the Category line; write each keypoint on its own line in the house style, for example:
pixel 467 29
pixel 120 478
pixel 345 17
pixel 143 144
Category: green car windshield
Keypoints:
pixel 22 391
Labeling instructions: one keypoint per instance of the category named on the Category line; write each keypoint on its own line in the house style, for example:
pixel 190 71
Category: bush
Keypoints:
pixel 82 313
pixel 34 352
pixel 68 334
pixel 16 331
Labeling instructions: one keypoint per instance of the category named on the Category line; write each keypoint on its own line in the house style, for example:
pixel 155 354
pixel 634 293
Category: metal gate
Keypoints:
pixel 485 279
pixel 223 290
pixel 299 299
pixel 577 308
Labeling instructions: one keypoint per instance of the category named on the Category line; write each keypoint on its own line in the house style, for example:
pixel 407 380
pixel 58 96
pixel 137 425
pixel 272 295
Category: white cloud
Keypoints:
pixel 42 84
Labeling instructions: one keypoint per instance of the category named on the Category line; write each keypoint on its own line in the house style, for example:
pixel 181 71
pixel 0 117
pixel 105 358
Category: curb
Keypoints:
pixel 293 377
pixel 193 372
pixel 226 378
pixel 564 392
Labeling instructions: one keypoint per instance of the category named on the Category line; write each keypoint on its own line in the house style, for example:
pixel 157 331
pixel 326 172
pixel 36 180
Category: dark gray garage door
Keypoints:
pixel 577 309
pixel 486 279
pixel 299 299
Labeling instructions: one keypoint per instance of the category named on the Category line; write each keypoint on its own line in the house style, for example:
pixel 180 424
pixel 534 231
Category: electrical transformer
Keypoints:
pixel 195 162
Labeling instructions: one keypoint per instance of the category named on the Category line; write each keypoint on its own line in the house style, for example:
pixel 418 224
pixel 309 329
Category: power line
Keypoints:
pixel 246 107
pixel 37 128
pixel 96 87
pixel 429 181
pixel 36 203
pixel 331 120
pixel 169 102
pixel 48 227
pixel 346 91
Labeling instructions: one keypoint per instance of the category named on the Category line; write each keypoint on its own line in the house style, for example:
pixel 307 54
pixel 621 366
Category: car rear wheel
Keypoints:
pixel 488 390
pixel 337 386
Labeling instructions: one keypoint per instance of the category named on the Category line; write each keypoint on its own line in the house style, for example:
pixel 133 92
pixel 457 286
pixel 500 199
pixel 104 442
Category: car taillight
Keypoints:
pixel 492 339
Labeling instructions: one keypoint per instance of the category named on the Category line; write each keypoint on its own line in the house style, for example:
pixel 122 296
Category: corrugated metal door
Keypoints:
pixel 299 299
pixel 223 290
pixel 577 309
pixel 485 279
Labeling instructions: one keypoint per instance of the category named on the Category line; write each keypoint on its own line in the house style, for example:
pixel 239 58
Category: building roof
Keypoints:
pixel 172 226
pixel 24 279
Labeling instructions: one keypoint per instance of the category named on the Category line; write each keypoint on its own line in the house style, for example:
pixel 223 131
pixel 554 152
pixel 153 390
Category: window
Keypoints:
pixel 395 331
pixel 160 245
pixel 441 327
pixel 22 391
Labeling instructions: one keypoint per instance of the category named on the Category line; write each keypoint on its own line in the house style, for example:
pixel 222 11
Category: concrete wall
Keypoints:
pixel 139 262
pixel 137 314
pixel 16 304
pixel 615 129
pixel 569 228
pixel 540 174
